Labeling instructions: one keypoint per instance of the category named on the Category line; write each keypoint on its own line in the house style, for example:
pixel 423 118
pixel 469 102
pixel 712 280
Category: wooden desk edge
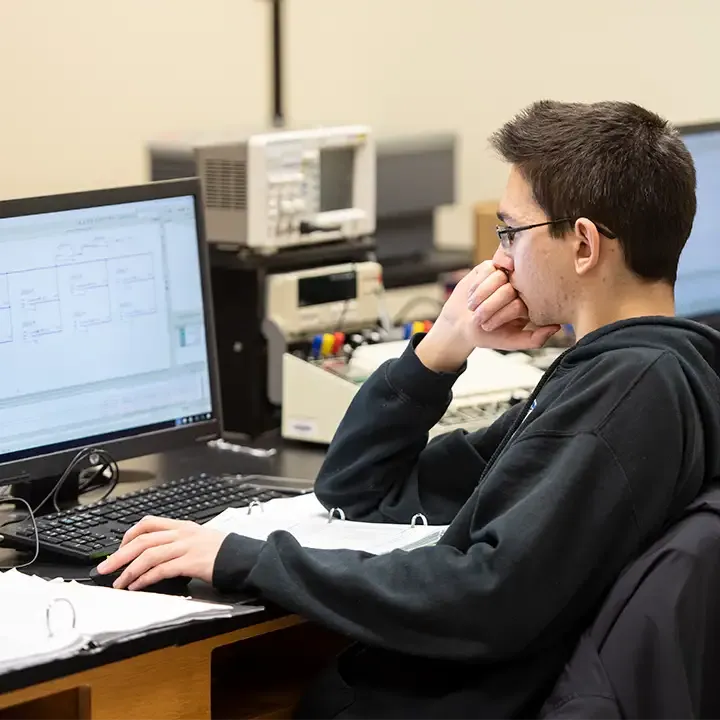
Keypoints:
pixel 197 648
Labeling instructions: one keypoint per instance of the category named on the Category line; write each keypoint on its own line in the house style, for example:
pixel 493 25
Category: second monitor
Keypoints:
pixel 697 290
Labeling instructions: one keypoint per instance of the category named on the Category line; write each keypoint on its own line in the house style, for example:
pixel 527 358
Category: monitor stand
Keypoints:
pixel 36 490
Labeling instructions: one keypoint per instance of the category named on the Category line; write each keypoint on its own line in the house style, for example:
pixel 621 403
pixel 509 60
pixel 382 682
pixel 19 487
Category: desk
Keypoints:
pixel 256 671
pixel 292 460
pixel 252 665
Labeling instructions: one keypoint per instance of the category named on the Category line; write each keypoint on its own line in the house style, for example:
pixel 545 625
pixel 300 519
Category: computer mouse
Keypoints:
pixel 169 586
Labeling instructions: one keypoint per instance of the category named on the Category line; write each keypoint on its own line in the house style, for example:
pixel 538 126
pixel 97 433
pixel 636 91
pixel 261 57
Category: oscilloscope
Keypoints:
pixel 288 188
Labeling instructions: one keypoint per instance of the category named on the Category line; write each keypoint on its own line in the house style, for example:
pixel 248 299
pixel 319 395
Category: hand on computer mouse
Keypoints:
pixel 159 548
pixel 169 586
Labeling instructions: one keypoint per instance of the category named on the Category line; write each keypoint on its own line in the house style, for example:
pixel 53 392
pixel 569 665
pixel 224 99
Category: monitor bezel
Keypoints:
pixel 712 319
pixel 52 463
pixel 701 127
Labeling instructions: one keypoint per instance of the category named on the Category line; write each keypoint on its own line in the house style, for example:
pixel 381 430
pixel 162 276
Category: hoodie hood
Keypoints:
pixel 696 348
pixel 686 339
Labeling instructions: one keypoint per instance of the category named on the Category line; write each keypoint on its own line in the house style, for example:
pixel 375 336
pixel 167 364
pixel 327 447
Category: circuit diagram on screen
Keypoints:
pixel 79 291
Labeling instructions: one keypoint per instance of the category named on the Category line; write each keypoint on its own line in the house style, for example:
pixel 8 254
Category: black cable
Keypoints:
pixel 87 479
pixel 35 531
pixel 114 479
pixel 341 318
pixel 346 304
pixel 90 484
pixel 52 494
pixel 91 453
pixel 278 111
pixel 97 456
pixel 413 302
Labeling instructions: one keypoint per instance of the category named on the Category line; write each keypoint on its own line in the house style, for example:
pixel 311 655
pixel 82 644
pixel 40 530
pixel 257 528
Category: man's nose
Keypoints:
pixel 502 260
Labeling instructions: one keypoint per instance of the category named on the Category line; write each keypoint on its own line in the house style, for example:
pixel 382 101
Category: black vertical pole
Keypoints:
pixel 278 112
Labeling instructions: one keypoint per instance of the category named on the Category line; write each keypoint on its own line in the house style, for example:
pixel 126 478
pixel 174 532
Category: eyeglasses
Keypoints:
pixel 506 234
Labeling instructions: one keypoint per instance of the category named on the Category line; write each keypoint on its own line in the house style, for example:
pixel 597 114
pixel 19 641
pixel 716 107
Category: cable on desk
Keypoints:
pixel 95 474
pixel 413 303
pixel 7 500
pixel 346 305
pixel 96 457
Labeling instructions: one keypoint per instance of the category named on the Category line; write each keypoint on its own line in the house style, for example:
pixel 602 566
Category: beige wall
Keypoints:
pixel 87 82
pixel 470 64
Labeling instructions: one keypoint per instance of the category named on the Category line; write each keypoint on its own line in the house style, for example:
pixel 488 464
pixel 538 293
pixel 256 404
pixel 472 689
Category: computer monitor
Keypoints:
pixel 106 332
pixel 697 290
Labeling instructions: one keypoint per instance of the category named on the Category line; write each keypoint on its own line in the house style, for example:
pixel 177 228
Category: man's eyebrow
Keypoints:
pixel 503 217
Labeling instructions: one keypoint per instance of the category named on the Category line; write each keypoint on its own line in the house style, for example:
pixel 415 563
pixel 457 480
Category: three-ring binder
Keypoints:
pixel 48 614
pixel 341 514
pixel 315 525
pixel 331 513
pixel 255 503
pixel 416 517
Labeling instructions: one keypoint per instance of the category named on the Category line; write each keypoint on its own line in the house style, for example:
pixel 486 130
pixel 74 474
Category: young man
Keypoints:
pixel 549 504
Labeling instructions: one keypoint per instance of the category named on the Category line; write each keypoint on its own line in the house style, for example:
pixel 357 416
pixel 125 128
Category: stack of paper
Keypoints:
pixel 42 620
pixel 314 527
pixel 488 371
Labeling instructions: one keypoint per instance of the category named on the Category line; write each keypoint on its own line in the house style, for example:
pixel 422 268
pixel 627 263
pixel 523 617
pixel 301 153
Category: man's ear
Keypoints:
pixel 587 246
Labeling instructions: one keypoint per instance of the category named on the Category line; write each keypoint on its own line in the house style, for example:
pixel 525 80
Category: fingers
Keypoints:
pixel 169 569
pixel 542 334
pixel 526 339
pixel 486 287
pixel 514 310
pixel 149 563
pixel 504 295
pixel 498 309
pixel 149 524
pixel 128 552
pixel 481 271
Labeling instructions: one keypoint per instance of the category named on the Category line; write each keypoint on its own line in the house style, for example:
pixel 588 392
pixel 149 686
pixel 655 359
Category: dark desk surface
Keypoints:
pixel 290 461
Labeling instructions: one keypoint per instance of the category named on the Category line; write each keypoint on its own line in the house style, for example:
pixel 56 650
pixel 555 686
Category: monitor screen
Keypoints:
pixel 697 291
pixel 102 325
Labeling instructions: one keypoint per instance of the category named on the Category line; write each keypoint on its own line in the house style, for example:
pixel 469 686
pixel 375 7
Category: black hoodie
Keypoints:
pixel 546 507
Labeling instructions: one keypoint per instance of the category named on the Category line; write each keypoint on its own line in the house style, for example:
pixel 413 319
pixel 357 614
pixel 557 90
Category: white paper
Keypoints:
pixel 42 620
pixel 308 521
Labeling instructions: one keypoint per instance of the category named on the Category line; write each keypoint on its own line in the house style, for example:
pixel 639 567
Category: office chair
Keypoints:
pixel 653 650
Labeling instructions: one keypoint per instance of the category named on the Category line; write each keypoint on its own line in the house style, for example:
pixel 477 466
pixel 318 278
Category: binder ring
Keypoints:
pixel 416 517
pixel 340 513
pixel 48 614
pixel 255 503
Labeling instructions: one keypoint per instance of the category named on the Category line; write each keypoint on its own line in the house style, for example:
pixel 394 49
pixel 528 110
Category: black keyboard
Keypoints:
pixel 93 531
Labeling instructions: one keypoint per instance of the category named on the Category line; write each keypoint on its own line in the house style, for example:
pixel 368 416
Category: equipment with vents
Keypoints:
pixel 414 175
pixel 318 391
pixel 284 189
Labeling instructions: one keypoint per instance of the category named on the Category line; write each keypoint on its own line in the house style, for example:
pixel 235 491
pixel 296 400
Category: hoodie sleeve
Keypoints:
pixel 554 522
pixel 380 466
pixel 532 559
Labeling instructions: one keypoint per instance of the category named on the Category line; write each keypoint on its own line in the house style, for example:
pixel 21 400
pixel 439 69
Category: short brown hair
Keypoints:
pixel 615 163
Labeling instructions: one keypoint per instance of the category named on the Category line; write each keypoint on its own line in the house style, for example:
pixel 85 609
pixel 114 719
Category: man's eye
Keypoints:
pixel 510 235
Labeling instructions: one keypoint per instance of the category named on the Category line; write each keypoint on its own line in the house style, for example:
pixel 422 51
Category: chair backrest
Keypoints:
pixel 653 650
